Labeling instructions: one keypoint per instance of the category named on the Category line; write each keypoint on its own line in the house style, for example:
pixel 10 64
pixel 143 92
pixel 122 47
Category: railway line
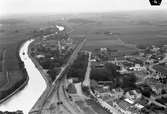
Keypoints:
pixel 55 101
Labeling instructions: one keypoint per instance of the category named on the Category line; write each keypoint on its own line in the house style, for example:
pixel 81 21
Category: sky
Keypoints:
pixel 8 7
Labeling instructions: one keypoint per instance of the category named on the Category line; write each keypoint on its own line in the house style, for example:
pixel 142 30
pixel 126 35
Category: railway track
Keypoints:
pixel 54 96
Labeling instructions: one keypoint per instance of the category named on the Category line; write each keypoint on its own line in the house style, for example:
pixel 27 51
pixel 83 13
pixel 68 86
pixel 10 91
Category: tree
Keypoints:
pixel 146 90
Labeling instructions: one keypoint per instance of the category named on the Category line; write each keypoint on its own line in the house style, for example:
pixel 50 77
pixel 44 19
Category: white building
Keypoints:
pixel 137 67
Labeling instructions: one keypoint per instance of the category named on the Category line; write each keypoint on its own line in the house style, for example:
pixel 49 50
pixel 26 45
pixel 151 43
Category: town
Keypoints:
pixel 128 84
pixel 132 83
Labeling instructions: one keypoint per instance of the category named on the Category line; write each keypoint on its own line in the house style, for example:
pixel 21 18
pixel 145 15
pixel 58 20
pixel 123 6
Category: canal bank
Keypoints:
pixel 25 76
pixel 25 99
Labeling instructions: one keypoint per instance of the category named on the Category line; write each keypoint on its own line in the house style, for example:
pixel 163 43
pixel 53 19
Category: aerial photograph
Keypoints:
pixel 83 56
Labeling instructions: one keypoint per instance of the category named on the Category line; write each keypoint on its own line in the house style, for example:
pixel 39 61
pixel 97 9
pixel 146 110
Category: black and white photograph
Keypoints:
pixel 83 56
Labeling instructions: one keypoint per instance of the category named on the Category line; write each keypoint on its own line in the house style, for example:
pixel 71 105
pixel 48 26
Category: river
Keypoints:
pixel 26 98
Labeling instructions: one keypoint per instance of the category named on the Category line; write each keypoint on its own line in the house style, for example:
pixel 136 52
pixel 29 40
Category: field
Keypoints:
pixel 130 27
pixel 161 68
pixel 3 78
pixel 91 107
pixel 162 100
pixel 84 107
pixel 96 107
pixel 112 44
pixel 12 79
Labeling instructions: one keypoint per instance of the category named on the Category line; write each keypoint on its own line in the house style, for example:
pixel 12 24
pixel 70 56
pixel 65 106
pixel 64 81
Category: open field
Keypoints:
pixel 96 107
pixel 13 74
pixel 112 44
pixel 3 78
pixel 12 79
pixel 131 27
pixel 84 107
pixel 161 68
pixel 162 100
pixel 91 107
pixel 1 56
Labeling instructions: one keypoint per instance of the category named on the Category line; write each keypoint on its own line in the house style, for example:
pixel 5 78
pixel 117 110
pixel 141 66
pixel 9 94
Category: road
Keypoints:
pixel 86 81
pixel 158 97
pixel 152 100
pixel 56 94
pixel 105 104
pixel 53 98
pixel 164 60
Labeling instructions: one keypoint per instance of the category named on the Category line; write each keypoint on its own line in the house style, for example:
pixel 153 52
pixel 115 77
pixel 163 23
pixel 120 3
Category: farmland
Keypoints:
pixel 91 107
pixel 161 68
pixel 12 72
pixel 12 34
pixel 11 75
pixel 96 107
pixel 2 73
pixel 131 28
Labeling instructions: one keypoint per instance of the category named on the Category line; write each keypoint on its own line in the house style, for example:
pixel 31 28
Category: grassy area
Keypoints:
pixel 12 73
pixel 96 107
pixel 79 66
pixel 71 89
pixel 161 68
pixel 0 66
pixel 131 27
pixel 3 77
pixel 162 100
pixel 86 109
pixel 80 103
pixel 111 44
pixel 154 108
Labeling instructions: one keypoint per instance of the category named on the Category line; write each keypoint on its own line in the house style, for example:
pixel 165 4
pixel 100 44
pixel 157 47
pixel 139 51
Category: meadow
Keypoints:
pixel 148 28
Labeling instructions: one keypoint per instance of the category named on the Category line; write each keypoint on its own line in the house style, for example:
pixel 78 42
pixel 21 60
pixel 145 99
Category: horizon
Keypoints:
pixel 141 12
pixel 30 7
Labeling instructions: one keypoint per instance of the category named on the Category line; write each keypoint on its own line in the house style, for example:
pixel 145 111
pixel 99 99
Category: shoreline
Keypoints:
pixel 16 91
pixel 39 103
pixel 23 85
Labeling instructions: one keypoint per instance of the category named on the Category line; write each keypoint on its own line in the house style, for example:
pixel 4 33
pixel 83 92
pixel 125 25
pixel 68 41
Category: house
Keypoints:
pixel 123 106
pixel 98 65
pixel 40 56
pixel 139 106
pixel 73 80
pixel 132 96
pixel 103 49
pixel 137 67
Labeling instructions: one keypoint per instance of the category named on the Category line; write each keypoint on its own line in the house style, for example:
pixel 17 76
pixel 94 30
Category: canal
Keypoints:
pixel 26 98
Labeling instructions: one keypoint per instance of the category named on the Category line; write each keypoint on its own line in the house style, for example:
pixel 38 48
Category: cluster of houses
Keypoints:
pixel 136 64
pixel 17 112
pixel 118 101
